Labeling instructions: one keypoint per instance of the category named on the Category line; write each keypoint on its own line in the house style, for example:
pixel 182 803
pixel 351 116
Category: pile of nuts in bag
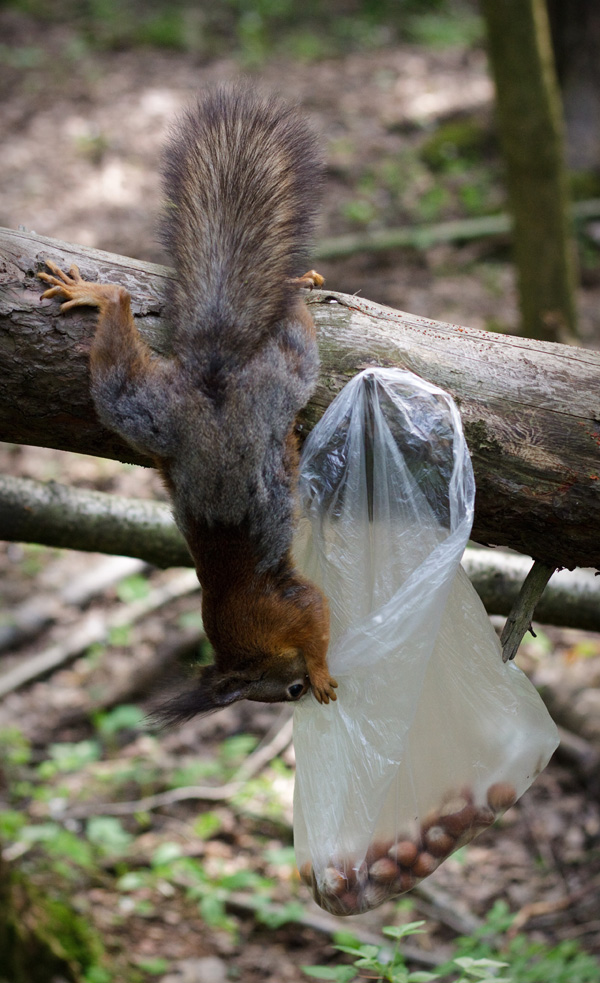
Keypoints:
pixel 391 868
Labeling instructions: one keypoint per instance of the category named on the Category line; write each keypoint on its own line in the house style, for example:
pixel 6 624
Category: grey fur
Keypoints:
pixel 241 176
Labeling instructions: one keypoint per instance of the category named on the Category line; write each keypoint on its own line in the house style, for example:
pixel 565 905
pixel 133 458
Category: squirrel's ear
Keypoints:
pixel 212 690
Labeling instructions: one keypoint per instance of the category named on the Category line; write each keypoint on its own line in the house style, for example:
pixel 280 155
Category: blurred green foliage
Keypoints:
pixel 253 29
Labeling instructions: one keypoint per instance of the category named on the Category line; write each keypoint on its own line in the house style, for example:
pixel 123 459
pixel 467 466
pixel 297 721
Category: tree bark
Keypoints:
pixel 530 410
pixel 531 132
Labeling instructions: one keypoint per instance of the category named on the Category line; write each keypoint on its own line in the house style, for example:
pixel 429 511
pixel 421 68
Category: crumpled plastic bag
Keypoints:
pixel 432 735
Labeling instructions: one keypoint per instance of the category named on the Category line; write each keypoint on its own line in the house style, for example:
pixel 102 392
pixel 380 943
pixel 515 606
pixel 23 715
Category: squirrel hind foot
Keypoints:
pixel 309 280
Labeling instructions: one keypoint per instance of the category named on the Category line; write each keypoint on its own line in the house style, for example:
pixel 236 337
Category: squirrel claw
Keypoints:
pixel 71 287
pixel 325 691
pixel 310 280
pixel 62 284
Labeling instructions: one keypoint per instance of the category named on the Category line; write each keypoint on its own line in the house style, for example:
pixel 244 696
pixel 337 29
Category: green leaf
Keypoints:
pixel 245 879
pixel 133 588
pixel 165 854
pixel 369 962
pixel 237 747
pixel 282 856
pixel 125 717
pixel 356 950
pixel 276 917
pixel 70 757
pixel 401 931
pixel 68 845
pixel 478 969
pixel 133 880
pixel 96 974
pixel 341 974
pixel 466 962
pixel 39 832
pixel 15 747
pixel 212 909
pixel 344 937
pixel 11 822
pixel 193 772
pixel 153 966
pixel 120 635
pixel 107 833
pixel 422 977
pixel 207 824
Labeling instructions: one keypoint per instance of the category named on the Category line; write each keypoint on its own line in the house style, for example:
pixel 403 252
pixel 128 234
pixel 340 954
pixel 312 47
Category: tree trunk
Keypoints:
pixel 531 132
pixel 530 410
pixel 575 29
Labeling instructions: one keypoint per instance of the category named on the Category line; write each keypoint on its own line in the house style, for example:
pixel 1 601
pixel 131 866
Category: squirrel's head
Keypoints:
pixel 264 646
pixel 215 688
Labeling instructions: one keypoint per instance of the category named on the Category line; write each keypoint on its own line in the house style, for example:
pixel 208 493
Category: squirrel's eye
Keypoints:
pixel 295 690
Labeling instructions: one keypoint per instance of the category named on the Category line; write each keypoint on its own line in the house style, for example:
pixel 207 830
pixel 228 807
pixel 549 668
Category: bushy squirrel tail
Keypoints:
pixel 242 176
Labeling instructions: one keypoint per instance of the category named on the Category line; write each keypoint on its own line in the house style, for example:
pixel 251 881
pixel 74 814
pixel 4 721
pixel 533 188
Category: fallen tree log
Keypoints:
pixel 531 410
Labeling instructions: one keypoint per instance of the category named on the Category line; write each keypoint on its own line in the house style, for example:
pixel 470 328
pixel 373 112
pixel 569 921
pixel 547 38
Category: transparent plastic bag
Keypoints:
pixel 432 735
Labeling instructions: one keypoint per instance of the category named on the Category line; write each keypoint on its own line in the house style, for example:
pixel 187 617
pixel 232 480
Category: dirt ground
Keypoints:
pixel 79 157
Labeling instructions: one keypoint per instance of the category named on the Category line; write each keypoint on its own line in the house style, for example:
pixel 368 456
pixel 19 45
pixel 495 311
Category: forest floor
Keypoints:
pixel 79 161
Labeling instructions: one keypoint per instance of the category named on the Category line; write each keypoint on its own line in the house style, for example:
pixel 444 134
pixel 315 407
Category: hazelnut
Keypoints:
pixel 355 875
pixel 424 865
pixel 456 801
pixel 377 850
pixel 404 852
pixel 457 823
pixel 384 871
pixel 306 873
pixel 349 903
pixel 406 881
pixel 501 796
pixel 484 817
pixel 334 883
pixel 374 895
pixel 438 841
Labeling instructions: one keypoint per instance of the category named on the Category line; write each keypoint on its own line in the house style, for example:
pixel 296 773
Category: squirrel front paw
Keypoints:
pixel 323 686
pixel 76 291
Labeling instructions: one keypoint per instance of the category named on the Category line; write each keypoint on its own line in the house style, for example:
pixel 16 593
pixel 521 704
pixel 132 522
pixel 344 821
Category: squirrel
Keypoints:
pixel 241 176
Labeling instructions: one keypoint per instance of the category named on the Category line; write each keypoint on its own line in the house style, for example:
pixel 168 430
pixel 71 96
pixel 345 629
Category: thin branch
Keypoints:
pixel 519 619
pixel 425 236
